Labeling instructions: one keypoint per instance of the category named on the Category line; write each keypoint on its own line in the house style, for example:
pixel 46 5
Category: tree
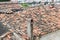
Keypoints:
pixel 4 0
pixel 45 3
pixel 33 2
pixel 39 2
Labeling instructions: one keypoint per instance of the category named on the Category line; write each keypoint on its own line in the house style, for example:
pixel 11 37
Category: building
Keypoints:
pixel 23 1
pixel 14 0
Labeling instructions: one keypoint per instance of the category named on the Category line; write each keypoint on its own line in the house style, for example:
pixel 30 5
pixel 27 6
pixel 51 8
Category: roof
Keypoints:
pixel 3 29
pixel 44 22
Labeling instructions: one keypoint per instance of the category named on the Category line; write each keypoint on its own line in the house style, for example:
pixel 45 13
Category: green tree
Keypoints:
pixel 39 2
pixel 25 5
pixel 45 3
pixel 4 0
pixel 33 2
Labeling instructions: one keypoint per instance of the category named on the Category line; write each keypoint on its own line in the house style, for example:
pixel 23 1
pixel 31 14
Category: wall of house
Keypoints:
pixel 32 0
pixel 14 0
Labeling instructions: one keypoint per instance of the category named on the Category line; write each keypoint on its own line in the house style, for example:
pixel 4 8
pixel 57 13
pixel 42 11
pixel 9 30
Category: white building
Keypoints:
pixel 22 1
pixel 14 0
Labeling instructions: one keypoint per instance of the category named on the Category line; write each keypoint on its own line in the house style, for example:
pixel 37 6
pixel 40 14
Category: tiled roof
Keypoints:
pixel 44 22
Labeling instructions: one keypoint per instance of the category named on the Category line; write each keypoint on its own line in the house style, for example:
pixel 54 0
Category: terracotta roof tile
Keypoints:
pixel 44 23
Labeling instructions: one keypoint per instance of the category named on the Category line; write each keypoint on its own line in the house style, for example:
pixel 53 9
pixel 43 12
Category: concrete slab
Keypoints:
pixel 51 36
